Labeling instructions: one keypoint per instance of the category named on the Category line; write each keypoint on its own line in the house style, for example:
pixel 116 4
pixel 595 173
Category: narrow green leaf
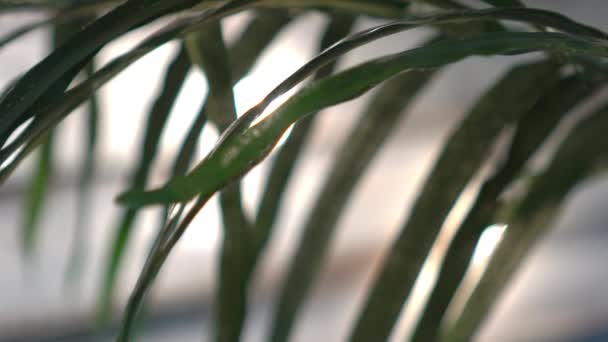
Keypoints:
pixel 288 155
pixel 384 8
pixel 504 3
pixel 258 34
pixel 235 155
pixel 532 130
pixel 56 111
pixel 154 262
pixel 445 4
pixel 463 153
pixel 356 154
pixel 207 49
pixel 77 52
pixel 8 169
pixel 582 153
pixel 256 37
pixel 34 202
pixel 539 17
pixel 84 193
pixel 59 18
pixel 55 5
pixel 50 96
pixel 156 121
pixel 38 188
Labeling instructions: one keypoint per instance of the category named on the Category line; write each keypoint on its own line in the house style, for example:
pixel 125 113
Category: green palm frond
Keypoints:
pixel 529 101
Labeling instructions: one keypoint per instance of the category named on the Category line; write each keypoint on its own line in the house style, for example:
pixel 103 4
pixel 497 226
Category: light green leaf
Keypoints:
pixel 36 196
pixel 236 154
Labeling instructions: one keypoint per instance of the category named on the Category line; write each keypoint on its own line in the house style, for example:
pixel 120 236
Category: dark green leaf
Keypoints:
pixel 207 49
pixel 505 3
pixel 465 151
pixel 59 18
pixel 582 153
pixel 57 111
pixel 532 130
pixel 38 187
pixel 356 154
pixel 156 121
pixel 256 37
pixel 236 154
pixel 55 108
pixel 77 52
pixel 285 161
pixel 154 262
pixel 59 5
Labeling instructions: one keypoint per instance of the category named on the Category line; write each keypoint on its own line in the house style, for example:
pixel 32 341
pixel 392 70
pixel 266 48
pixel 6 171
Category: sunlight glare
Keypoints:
pixel 487 243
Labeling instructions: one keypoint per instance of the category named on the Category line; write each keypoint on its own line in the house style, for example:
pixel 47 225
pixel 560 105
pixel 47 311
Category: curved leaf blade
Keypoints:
pixel 208 50
pixel 157 118
pixel 462 155
pixel 77 52
pixel 235 155
pixel 57 111
pixel 532 130
pixel 356 154
pixel 581 154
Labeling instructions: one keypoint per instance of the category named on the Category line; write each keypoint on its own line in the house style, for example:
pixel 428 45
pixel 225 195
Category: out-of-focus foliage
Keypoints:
pixel 533 98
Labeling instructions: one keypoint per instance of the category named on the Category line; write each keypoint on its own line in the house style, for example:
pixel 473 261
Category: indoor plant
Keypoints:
pixel 545 90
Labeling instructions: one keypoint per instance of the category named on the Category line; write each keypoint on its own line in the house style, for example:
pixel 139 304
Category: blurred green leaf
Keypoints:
pixel 234 156
pixel 504 3
pixel 539 17
pixel 463 153
pixel 38 187
pixel 34 202
pixel 76 52
pixel 580 155
pixel 286 158
pixel 256 37
pixel 356 154
pixel 156 121
pixel 84 192
pixel 56 111
pixel 258 34
pixel 207 49
pixel 51 95
pixel 58 5
pixel 54 108
pixel 532 131
pixel 154 262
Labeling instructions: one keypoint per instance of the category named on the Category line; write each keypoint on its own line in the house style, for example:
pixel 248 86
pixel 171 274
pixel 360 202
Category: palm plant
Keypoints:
pixel 527 103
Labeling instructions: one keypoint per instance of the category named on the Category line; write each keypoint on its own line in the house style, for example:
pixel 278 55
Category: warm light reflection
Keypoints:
pixel 487 243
